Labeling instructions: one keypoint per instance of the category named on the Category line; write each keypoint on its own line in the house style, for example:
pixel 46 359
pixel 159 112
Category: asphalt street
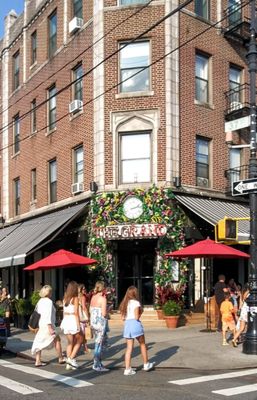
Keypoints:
pixel 18 377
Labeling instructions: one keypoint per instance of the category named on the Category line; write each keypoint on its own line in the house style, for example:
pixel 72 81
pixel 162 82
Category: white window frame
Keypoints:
pixel 77 86
pixel 52 179
pixel 78 171
pixel 199 5
pixel 203 77
pixel 33 184
pixel 17 196
pixel 135 68
pixel 16 134
pixel 122 160
pixel 52 107
pixel 203 156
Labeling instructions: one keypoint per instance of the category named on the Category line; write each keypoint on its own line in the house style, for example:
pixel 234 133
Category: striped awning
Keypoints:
pixel 32 234
pixel 213 210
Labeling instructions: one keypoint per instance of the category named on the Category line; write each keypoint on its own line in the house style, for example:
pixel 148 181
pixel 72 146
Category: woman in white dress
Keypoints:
pixel 70 324
pixel 46 336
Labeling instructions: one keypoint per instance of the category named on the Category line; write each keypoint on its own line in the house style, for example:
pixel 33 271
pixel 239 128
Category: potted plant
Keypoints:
pixel 23 309
pixel 172 311
pixel 163 294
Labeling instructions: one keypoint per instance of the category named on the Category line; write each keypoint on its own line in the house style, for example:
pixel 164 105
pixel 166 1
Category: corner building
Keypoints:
pixel 113 138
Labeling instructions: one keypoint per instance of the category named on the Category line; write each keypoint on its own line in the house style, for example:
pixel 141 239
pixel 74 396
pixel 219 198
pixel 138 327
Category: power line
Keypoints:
pixel 79 55
pixel 177 9
pixel 136 73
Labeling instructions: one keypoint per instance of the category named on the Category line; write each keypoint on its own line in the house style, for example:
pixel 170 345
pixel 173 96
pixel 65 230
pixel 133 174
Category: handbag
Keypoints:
pixel 33 323
pixel 88 332
pixel 82 315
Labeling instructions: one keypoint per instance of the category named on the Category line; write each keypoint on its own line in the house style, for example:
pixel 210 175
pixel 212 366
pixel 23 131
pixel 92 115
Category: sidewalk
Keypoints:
pixel 185 347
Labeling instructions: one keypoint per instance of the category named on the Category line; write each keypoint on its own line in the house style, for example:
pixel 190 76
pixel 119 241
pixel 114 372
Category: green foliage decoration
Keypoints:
pixel 159 206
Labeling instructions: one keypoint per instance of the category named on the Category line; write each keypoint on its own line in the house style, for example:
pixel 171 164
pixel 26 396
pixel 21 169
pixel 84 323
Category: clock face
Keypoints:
pixel 133 207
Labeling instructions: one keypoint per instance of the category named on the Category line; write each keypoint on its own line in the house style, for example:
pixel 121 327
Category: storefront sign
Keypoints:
pixel 115 232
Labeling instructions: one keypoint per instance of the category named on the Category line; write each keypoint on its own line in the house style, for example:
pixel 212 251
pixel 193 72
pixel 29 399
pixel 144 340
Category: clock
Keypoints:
pixel 133 207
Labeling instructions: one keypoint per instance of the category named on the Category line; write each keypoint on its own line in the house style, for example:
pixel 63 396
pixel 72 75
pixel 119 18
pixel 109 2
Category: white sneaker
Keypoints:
pixel 72 362
pixel 129 371
pixel 69 367
pixel 100 369
pixel 148 366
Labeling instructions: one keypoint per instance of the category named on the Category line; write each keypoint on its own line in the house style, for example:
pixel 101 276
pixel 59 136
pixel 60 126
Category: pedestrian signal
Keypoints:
pixel 227 229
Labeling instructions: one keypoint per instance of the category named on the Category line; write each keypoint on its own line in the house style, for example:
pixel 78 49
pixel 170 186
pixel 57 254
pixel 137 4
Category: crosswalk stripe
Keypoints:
pixel 228 375
pixel 67 380
pixel 17 386
pixel 237 390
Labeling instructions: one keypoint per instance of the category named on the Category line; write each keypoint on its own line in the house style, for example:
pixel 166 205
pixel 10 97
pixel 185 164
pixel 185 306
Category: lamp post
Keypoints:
pixel 250 343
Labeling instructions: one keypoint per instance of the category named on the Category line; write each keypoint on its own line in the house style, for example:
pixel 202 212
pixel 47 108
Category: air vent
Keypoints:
pixel 202 181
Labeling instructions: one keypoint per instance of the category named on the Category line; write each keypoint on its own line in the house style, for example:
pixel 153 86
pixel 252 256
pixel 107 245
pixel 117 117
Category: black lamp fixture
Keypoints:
pixel 93 187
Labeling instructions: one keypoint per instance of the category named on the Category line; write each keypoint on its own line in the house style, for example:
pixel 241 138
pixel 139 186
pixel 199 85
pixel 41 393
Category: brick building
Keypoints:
pixel 110 98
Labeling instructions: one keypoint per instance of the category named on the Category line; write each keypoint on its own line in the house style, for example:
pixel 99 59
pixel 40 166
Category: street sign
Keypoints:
pixel 247 186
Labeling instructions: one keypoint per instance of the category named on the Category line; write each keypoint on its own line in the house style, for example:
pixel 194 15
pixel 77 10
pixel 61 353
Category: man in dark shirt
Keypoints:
pixel 219 292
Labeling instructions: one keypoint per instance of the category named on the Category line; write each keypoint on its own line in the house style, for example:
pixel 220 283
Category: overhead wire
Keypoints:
pixel 79 55
pixel 210 26
pixel 153 26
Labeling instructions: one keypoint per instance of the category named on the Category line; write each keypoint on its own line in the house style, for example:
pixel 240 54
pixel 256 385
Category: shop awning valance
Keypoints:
pixel 213 210
pixel 33 234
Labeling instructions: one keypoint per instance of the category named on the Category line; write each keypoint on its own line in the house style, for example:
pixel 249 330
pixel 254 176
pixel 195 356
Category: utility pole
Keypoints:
pixel 250 343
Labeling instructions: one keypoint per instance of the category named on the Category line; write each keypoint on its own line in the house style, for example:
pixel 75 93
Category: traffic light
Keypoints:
pixel 227 229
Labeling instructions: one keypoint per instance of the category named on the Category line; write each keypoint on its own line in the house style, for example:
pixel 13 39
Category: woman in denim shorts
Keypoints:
pixel 131 311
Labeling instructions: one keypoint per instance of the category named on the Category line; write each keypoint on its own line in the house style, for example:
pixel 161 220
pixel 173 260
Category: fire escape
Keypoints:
pixel 237 111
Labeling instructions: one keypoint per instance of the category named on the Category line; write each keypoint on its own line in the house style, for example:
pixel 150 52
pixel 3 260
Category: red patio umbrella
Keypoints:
pixel 208 249
pixel 60 259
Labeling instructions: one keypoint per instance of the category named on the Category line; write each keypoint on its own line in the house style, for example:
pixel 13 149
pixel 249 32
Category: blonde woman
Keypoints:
pixel 98 321
pixel 83 315
pixel 46 336
pixel 71 325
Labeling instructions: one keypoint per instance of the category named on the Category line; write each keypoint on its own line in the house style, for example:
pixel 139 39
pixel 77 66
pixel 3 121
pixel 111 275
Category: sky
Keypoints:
pixel 5 7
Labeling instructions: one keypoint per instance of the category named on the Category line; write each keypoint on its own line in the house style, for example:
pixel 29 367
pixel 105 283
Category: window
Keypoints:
pixel 234 85
pixel 235 164
pixel 33 116
pixel 201 78
pixel 52 181
pixel 52 32
pixel 16 133
pixel 78 8
pixel 202 162
pixel 202 8
pixel 133 57
pixel 129 2
pixel 78 83
pixel 234 12
pixel 17 196
pixel 33 47
pixel 16 70
pixel 135 157
pixel 33 184
pixel 78 176
pixel 52 108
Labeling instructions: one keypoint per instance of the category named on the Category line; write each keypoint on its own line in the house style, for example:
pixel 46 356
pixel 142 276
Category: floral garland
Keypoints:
pixel 159 206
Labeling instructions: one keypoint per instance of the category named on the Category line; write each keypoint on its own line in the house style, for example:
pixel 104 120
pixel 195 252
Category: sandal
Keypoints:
pixel 62 360
pixel 42 364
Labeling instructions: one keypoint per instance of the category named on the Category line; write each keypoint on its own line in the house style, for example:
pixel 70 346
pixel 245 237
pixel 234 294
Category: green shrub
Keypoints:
pixel 23 307
pixel 34 298
pixel 171 307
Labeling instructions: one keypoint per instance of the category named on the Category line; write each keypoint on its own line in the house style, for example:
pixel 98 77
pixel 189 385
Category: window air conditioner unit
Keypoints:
pixel 202 181
pixel 75 106
pixel 77 188
pixel 235 105
pixel 75 24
